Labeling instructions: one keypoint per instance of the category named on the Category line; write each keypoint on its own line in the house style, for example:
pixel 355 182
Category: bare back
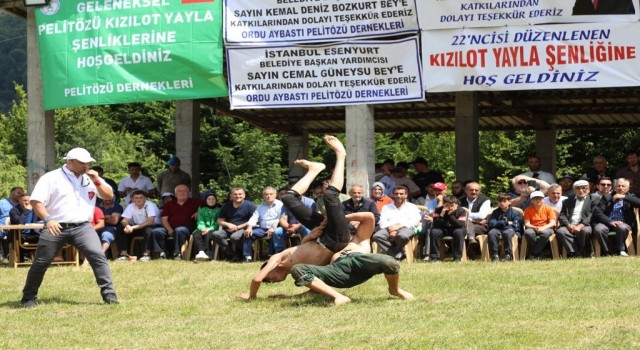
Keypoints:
pixel 310 253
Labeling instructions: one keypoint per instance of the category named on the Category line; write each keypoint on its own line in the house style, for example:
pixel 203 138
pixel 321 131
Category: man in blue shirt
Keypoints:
pixel 233 220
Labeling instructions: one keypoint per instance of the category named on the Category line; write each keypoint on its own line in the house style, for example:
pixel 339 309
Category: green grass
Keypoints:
pixel 563 304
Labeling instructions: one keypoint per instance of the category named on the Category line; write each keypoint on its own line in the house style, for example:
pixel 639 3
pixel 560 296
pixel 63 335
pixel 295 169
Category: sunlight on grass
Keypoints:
pixel 564 304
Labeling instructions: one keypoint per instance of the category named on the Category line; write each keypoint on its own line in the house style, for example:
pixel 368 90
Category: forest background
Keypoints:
pixel 234 153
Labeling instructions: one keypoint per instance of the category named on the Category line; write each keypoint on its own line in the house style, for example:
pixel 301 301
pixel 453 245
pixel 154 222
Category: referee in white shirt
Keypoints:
pixel 65 198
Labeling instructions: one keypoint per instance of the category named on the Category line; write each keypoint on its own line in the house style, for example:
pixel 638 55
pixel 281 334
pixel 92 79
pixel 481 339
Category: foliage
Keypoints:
pixel 559 304
pixel 13 58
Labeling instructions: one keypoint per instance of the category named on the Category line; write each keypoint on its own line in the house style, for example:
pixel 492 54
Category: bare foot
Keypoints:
pixel 341 300
pixel 335 145
pixel 312 166
pixel 402 294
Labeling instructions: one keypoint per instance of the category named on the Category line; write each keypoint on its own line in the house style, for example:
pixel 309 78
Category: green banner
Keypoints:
pixel 119 51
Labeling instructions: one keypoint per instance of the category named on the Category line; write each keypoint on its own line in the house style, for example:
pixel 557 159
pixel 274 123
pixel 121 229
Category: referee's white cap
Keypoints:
pixel 79 154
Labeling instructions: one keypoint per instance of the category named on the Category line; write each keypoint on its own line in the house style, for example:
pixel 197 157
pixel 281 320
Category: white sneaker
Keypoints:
pixel 146 257
pixel 163 255
pixel 623 253
pixel 202 256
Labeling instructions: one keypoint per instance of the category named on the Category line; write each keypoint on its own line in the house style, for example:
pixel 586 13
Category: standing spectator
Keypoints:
pixel 113 184
pixel 614 213
pixel 398 221
pixel 600 169
pixel 533 162
pixel 207 224
pixel 539 221
pixel 178 221
pixel 138 220
pixel 233 220
pixel 575 230
pixel 632 172
pixel 65 199
pixel 135 181
pixel 457 188
pixel 425 176
pixel 169 179
pixel 383 175
pixel 398 174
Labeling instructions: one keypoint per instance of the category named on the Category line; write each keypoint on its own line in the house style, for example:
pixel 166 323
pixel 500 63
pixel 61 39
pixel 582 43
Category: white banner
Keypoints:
pixel 300 21
pixel 365 72
pixel 541 57
pixel 443 14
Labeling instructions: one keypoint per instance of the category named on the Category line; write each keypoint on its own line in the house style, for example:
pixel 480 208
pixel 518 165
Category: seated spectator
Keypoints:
pixel 632 172
pixel 378 196
pixel 505 222
pixel 435 195
pixel 167 197
pixel 424 176
pixel 523 187
pixel 398 222
pixel 554 198
pixel 398 175
pixel 178 221
pixel 6 205
pixel 289 223
pixel 534 164
pixel 604 187
pixel 233 220
pixel 574 232
pixel 566 184
pixel 23 214
pixel 614 213
pixel 138 219
pixel 359 204
pixel 479 207
pixel 169 179
pixel 448 220
pixel 263 223
pixel 206 225
pixel 112 214
pixel 98 224
pixel 135 181
pixel 539 222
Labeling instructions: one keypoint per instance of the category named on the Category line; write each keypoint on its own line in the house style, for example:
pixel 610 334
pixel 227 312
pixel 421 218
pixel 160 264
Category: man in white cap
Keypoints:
pixel 65 199
pixel 539 221
pixel 575 220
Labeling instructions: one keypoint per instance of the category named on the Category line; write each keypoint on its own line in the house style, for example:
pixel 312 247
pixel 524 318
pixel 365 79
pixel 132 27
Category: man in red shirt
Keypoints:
pixel 178 221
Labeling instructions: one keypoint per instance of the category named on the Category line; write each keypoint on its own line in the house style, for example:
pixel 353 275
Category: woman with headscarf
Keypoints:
pixel 207 224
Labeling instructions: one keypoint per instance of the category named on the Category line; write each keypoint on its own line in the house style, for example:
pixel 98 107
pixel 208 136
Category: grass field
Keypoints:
pixel 562 304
